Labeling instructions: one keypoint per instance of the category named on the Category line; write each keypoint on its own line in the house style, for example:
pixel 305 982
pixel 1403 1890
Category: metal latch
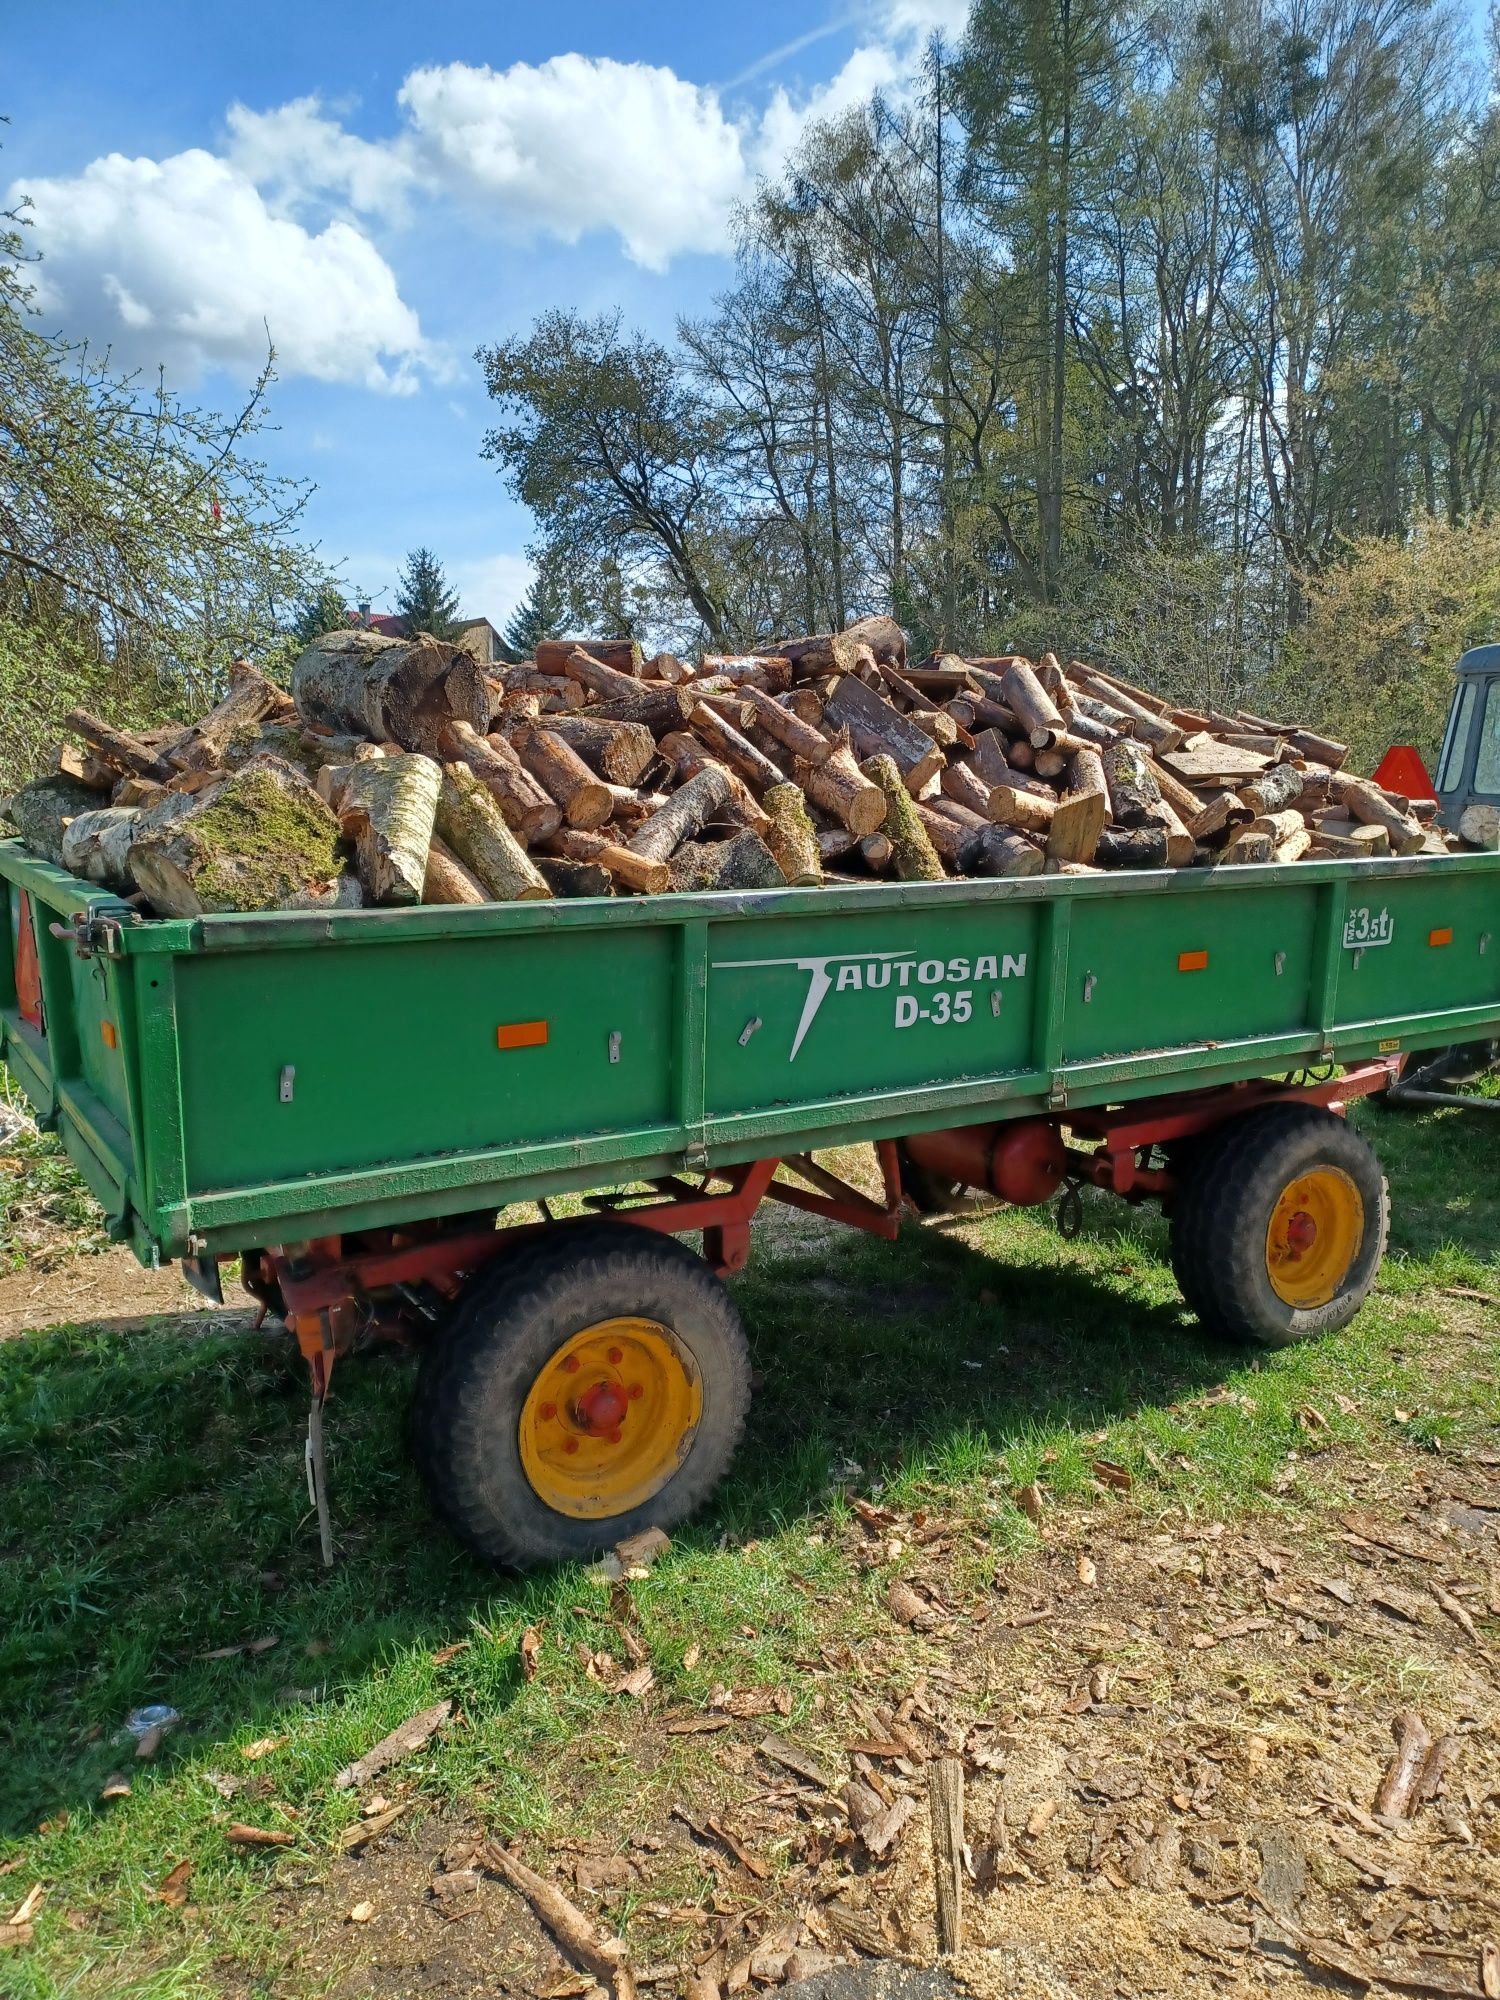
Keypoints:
pixel 89 932
pixel 1089 983
pixel 288 1083
pixel 614 1045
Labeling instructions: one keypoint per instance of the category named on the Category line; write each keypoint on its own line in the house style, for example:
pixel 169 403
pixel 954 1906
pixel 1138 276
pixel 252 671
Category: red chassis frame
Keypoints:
pixel 327 1288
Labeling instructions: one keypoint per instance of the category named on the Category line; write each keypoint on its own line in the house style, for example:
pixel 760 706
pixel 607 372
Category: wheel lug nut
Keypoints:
pixel 570 1364
pixel 614 1437
pixel 635 1392
pixel 570 1444
pixel 547 1412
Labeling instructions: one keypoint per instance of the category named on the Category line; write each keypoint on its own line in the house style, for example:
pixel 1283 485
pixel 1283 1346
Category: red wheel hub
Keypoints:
pixel 1301 1231
pixel 601 1409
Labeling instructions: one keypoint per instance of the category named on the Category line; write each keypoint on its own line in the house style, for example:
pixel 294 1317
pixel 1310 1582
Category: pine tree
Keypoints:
pixel 424 596
pixel 324 613
pixel 541 614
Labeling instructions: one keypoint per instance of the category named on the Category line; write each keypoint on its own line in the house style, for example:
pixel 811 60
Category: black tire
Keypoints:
pixel 1224 1212
pixel 476 1376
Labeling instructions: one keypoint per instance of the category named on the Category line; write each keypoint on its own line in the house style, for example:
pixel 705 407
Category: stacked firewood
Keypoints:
pixel 397 772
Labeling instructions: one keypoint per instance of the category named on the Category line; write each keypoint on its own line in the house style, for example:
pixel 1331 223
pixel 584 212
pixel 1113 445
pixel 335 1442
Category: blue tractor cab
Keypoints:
pixel 1468 771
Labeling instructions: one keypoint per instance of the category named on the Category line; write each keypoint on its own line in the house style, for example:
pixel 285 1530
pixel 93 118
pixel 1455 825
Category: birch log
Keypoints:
pixel 96 847
pixel 388 809
pixel 403 691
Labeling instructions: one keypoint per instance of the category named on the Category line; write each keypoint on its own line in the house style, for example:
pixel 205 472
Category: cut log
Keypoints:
pixel 734 749
pixel 667 667
pixel 1203 760
pixel 1023 693
pixel 564 777
pixel 1020 754
pixel 996 850
pixel 647 878
pixel 766 672
pixel 1026 811
pixel 251 698
pixel 553 691
pixel 1479 826
pixel 656 707
pixel 991 761
pixel 689 758
pixel 877 730
pixel 914 858
pixel 1297 843
pixel 1273 789
pixel 745 862
pixel 1320 749
pixel 1102 714
pixel 1249 849
pixel 963 783
pixel 87 767
pixel 801 738
pixel 470 823
pixel 1049 764
pixel 883 636
pixel 1079 821
pixel 96 847
pixel 1132 847
pixel 945 1790
pixel 258 838
pixel 877 851
pixel 603 683
pixel 1146 723
pixel 116 748
pixel 40 812
pixel 1220 811
pixel 951 835
pixel 1133 791
pixel 402 690
pixel 527 809
pixel 841 788
pixel 836 843
pixel 447 880
pixel 1180 843
pixel 1280 825
pixel 574 878
pixel 1368 804
pixel 618 751
pixel 388 809
pixel 685 813
pixel 623 656
pixel 792 839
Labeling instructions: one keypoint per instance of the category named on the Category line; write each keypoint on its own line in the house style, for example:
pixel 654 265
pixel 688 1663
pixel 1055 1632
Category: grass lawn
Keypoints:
pixel 153 1514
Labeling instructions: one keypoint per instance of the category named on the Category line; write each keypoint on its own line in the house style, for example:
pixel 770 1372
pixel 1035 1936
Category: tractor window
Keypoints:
pixel 1456 742
pixel 1487 770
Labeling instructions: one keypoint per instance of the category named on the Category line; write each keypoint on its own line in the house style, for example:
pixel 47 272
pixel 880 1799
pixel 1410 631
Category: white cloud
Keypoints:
pixel 915 20
pixel 579 143
pixel 297 151
pixel 182 261
pixel 870 68
pixel 492 586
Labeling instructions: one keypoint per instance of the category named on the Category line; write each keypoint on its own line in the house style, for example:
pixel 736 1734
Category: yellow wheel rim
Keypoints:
pixel 609 1418
pixel 1314 1235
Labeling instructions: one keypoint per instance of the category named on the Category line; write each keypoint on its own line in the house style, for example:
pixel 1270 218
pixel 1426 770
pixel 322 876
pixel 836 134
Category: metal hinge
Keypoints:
pixel 90 932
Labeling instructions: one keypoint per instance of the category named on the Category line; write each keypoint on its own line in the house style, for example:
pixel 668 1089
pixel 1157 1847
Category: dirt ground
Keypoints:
pixel 108 1289
pixel 1175 1736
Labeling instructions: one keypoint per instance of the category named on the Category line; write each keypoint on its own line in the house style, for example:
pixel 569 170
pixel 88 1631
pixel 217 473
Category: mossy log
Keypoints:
pixel 472 825
pixel 792 838
pixel 258 838
pixel 388 809
pixel 40 812
pixel 742 862
pixel 1133 791
pixel 402 690
pixel 914 858
pixel 96 847
pixel 251 699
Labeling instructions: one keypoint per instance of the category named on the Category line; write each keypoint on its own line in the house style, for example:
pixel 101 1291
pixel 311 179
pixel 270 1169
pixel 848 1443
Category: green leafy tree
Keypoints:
pixel 141 548
pixel 424 596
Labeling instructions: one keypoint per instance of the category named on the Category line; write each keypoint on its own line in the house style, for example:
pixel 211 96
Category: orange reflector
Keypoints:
pixel 521 1034
pixel 1192 961
pixel 107 1030
pixel 1440 937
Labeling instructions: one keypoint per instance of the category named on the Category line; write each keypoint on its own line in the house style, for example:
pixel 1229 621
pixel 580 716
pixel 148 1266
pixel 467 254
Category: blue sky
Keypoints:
pixel 389 185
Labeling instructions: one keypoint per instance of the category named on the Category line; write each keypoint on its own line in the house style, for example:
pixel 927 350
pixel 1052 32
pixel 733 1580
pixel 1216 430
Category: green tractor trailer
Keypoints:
pixel 366 1114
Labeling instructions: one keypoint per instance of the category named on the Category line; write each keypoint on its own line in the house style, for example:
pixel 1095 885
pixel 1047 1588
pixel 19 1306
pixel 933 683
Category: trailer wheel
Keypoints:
pixel 928 1192
pixel 1278 1233
pixel 593 1383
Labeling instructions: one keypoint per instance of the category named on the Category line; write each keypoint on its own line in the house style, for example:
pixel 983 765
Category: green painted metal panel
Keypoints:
pixel 692 1030
pixel 393 1053
pixel 812 1008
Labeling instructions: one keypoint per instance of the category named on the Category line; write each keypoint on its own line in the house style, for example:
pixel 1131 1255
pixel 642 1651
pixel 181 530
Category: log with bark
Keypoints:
pixel 793 839
pixel 388 808
pixel 913 857
pixel 258 838
pixel 528 810
pixel 471 825
pixel 402 690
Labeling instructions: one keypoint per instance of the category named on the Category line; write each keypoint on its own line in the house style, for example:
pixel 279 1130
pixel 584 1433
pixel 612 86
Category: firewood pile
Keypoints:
pixel 397 772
